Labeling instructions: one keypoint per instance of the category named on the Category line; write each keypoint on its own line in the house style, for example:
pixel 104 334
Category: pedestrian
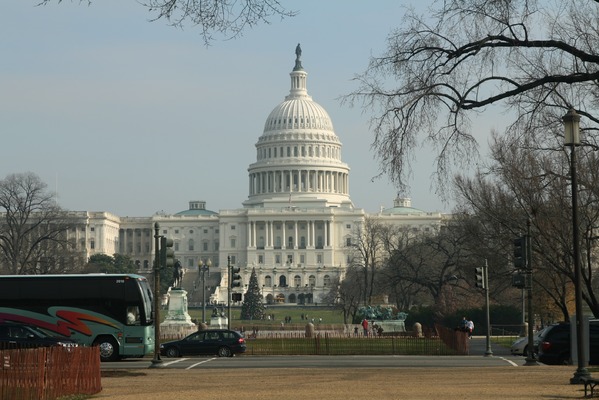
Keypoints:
pixel 365 326
pixel 463 325
pixel 470 328
pixel 355 331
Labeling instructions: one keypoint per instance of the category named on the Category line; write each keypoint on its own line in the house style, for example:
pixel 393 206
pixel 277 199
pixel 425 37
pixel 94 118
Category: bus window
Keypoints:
pixel 132 315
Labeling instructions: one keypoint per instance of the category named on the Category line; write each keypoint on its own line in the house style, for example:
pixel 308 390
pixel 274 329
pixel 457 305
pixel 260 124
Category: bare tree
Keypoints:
pixel 227 17
pixel 442 68
pixel 429 263
pixel 33 228
pixel 369 252
pixel 525 182
pixel 350 294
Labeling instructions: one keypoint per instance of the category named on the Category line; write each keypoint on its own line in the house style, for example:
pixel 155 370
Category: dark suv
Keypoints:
pixel 223 342
pixel 554 344
pixel 15 335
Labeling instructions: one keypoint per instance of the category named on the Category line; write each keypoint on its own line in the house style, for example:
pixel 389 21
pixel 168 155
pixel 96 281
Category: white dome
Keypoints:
pixel 298 113
pixel 298 155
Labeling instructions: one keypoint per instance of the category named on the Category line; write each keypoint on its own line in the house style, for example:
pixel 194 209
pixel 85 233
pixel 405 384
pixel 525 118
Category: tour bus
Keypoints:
pixel 112 311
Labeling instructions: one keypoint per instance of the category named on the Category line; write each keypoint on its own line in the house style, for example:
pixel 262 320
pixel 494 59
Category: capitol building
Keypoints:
pixel 295 229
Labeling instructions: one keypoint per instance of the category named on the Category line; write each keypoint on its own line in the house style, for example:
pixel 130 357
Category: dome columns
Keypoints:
pixel 299 181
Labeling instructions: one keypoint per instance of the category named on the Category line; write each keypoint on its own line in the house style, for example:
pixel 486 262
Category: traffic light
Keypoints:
pixel 519 280
pixel 521 252
pixel 480 277
pixel 235 277
pixel 167 254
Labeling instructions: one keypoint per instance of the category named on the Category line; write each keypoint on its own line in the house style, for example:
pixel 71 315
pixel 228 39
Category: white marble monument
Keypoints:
pixel 177 321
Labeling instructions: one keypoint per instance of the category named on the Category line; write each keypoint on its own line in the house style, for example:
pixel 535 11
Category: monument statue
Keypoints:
pixel 298 54
pixel 177 275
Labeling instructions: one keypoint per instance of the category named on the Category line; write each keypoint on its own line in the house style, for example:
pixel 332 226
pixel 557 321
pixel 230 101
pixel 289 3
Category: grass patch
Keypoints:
pixel 505 341
pixel 321 314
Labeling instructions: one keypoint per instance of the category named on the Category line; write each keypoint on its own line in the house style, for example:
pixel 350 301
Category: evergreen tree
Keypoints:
pixel 252 306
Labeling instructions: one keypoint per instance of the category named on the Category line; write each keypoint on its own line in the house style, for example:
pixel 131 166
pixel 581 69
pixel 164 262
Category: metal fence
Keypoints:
pixel 447 342
pixel 47 373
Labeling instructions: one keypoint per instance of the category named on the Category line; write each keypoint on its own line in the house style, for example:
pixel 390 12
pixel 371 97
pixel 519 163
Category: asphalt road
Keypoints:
pixel 477 358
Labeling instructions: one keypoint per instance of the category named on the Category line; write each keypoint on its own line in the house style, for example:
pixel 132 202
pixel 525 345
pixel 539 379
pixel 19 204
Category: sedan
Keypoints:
pixel 221 342
pixel 520 346
pixel 15 335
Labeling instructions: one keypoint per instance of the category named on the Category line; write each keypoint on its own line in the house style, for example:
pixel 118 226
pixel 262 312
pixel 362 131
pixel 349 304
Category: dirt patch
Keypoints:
pixel 538 382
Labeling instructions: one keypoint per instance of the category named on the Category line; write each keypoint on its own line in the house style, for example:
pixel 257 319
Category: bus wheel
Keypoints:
pixel 109 348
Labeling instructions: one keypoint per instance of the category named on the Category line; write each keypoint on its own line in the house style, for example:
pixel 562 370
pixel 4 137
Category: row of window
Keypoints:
pixel 148 232
pixel 176 246
pixel 279 257
pixel 299 151
pixel 297 281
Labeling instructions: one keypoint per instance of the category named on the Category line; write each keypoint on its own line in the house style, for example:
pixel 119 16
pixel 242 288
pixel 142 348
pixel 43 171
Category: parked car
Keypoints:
pixel 554 344
pixel 14 335
pixel 520 345
pixel 221 342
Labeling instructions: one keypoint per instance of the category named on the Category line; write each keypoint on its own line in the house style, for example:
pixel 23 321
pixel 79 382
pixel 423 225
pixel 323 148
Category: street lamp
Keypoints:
pixel 156 361
pixel 203 267
pixel 572 139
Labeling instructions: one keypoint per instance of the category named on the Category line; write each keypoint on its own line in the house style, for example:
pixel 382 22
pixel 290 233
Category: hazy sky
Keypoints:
pixel 119 114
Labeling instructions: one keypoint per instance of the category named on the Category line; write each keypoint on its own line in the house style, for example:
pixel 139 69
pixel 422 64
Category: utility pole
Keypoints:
pixel 229 292
pixel 531 360
pixel 488 352
pixel 156 361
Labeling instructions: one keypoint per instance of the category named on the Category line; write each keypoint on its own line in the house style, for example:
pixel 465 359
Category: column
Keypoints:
pixel 249 233
pixel 284 239
pixel 295 235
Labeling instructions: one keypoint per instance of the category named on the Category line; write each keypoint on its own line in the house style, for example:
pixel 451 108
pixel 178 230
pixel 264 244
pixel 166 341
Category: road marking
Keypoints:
pixel 200 363
pixel 509 361
pixel 176 361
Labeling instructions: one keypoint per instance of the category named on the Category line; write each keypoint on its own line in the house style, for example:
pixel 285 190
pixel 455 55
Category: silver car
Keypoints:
pixel 520 346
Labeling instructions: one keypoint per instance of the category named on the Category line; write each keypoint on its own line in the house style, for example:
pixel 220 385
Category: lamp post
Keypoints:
pixel 156 361
pixel 203 268
pixel 572 139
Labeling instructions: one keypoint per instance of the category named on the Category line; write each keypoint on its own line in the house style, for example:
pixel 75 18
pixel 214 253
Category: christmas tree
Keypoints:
pixel 252 306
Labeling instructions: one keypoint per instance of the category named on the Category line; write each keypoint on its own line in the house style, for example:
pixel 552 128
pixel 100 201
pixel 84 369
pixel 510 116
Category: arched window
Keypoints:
pixel 297 281
pixel 312 280
pixel 282 281
pixel 267 281
pixel 326 280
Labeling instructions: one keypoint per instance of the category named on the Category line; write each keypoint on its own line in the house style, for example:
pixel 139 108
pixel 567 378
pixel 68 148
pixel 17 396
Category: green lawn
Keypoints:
pixel 322 316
